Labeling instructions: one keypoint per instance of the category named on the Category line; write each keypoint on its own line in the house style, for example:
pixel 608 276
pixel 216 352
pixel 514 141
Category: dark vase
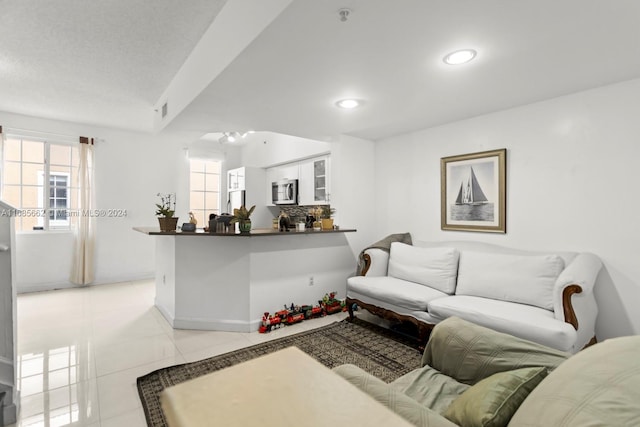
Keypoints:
pixel 284 223
pixel 245 226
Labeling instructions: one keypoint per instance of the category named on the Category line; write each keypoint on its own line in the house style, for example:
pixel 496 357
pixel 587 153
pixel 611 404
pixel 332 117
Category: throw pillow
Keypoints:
pixel 433 267
pixel 525 279
pixel 492 401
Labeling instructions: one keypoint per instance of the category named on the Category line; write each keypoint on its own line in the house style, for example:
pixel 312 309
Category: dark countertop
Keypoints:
pixel 257 232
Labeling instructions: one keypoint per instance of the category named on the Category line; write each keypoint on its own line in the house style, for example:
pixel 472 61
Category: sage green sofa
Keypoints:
pixel 474 376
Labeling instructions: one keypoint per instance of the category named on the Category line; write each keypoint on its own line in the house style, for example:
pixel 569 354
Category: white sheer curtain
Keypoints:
pixel 82 270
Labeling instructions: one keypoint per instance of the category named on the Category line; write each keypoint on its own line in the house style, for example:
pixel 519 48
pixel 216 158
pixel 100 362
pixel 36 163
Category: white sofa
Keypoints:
pixel 542 297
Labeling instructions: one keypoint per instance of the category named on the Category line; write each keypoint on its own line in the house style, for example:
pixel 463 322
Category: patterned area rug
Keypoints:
pixel 376 350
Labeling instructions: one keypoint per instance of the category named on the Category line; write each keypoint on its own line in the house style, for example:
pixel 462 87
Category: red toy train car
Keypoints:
pixel 294 314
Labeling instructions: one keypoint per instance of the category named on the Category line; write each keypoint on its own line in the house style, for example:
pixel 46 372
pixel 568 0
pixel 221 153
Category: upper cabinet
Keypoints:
pixel 236 179
pixel 321 180
pixel 314 186
pixel 288 171
pixel 313 179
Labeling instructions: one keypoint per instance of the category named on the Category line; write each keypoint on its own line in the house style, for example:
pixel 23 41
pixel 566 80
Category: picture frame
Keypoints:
pixel 474 192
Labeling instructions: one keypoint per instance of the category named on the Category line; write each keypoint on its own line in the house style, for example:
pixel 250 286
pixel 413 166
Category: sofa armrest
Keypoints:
pixel 393 399
pixel 376 262
pixel 469 353
pixel 577 278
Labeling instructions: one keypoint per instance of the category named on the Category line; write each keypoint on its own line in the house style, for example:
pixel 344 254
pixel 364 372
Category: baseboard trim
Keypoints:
pixel 216 325
pixel 23 288
pixel 209 324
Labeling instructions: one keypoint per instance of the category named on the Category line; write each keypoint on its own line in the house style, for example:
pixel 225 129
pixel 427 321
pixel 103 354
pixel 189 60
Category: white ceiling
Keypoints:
pixel 108 63
pixel 96 62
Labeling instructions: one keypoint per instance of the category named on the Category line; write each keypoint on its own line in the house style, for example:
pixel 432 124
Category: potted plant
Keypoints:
pixel 326 214
pixel 165 211
pixel 241 216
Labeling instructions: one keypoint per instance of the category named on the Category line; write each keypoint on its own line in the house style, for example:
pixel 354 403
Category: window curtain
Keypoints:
pixel 84 230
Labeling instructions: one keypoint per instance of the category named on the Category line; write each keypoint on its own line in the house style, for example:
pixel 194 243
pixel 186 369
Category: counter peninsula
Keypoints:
pixel 226 281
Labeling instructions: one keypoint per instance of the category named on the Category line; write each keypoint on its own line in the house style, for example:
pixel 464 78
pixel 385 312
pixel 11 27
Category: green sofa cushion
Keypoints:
pixel 469 353
pixel 430 388
pixel 493 401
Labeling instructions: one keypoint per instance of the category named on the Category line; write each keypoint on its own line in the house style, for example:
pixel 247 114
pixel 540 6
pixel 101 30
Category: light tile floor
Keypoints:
pixel 81 350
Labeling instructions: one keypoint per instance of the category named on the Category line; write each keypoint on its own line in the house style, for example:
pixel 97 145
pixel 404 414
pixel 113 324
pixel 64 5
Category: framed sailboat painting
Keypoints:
pixel 473 193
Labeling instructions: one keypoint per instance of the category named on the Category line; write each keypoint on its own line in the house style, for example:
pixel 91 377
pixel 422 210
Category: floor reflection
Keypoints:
pixel 51 393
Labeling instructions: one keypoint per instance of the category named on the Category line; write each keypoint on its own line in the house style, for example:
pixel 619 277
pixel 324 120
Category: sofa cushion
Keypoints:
pixel 430 388
pixel 433 267
pixel 525 279
pixel 525 321
pixel 402 293
pixel 469 353
pixel 493 401
pixel 596 387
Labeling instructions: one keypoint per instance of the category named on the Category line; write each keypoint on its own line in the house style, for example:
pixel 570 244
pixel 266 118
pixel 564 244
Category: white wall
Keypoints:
pixel 353 192
pixel 131 168
pixel 269 149
pixel 572 169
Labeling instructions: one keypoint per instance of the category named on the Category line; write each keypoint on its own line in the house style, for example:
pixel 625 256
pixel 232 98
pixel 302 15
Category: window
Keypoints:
pixel 39 177
pixel 59 201
pixel 204 189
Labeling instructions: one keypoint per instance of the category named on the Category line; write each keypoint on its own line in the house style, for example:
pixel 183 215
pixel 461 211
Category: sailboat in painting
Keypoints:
pixel 470 192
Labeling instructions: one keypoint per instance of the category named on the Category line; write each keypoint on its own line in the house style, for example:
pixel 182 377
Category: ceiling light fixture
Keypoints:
pixel 460 57
pixel 348 104
pixel 344 14
pixel 232 136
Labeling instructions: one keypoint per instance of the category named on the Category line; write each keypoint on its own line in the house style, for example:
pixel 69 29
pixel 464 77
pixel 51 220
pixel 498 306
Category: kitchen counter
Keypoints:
pixel 226 282
pixel 256 232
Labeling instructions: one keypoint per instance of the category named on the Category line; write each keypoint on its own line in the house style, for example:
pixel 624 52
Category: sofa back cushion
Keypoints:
pixel 525 279
pixel 433 267
pixel 599 386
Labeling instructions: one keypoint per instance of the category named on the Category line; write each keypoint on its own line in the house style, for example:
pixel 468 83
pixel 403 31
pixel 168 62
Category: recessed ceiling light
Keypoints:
pixel 460 57
pixel 348 103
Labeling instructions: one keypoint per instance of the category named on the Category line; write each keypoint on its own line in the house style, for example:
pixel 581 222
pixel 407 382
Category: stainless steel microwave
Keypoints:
pixel 285 192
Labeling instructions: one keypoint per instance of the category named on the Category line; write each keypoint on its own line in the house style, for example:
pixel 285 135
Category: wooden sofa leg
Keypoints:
pixel 424 331
pixel 350 308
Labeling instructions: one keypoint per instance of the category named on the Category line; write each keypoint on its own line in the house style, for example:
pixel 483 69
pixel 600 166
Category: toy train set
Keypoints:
pixel 296 313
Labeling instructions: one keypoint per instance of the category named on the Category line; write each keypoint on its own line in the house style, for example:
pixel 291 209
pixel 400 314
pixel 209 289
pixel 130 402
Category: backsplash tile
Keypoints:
pixel 297 213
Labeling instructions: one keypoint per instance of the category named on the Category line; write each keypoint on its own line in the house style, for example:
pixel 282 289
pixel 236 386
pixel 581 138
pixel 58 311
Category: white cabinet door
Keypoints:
pixel 321 181
pixel 288 171
pixel 236 179
pixel 305 183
